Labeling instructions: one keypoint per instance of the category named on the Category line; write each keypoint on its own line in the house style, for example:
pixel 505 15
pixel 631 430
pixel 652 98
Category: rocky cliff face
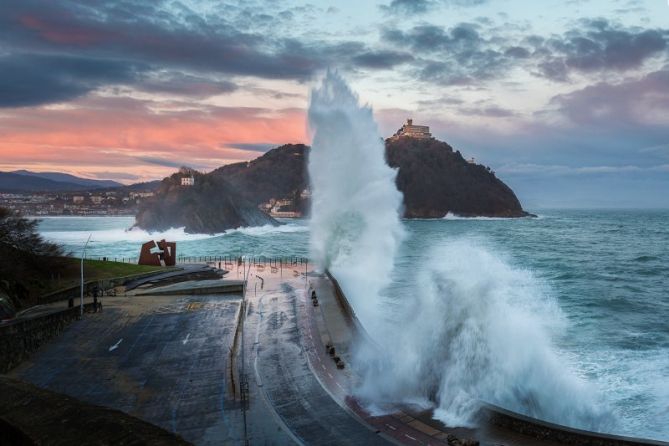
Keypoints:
pixel 210 206
pixel 279 173
pixel 436 180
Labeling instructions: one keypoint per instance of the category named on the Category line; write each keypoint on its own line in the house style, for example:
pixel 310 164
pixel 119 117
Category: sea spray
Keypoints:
pixel 477 329
pixel 472 328
pixel 355 226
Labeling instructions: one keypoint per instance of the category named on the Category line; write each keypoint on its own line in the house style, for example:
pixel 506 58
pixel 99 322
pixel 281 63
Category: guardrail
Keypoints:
pixel 228 259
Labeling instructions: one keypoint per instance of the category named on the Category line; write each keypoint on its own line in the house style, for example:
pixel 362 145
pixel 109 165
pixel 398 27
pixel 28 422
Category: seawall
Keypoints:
pixel 498 422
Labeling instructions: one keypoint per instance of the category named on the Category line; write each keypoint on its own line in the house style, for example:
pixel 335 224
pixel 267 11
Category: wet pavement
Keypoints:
pixel 162 359
pixel 184 364
pixel 283 373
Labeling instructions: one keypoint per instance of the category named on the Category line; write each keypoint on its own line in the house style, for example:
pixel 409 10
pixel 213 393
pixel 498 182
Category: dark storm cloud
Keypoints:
pixel 408 6
pixel 456 56
pixel 468 52
pixel 492 111
pixel 423 6
pixel 635 103
pixel 599 45
pixel 253 147
pixel 517 52
pixel 187 85
pixel 151 37
pixel 30 79
pixel 159 161
pixel 434 38
pixel 381 59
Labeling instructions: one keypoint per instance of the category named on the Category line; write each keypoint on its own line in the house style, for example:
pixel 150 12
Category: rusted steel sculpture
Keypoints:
pixel 165 255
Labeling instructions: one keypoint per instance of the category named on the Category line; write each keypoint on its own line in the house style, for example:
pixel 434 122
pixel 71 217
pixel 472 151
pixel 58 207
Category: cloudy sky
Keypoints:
pixel 567 100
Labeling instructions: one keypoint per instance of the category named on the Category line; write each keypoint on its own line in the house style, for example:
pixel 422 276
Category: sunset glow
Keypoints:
pixel 129 91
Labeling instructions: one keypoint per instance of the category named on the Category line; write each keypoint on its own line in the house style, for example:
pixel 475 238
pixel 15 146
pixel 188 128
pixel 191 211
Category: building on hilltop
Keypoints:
pixel 187 176
pixel 413 131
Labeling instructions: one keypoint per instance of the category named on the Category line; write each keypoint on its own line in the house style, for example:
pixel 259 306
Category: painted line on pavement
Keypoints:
pixel 115 346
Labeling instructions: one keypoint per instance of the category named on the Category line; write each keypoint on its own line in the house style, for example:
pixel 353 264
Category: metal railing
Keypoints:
pixel 224 259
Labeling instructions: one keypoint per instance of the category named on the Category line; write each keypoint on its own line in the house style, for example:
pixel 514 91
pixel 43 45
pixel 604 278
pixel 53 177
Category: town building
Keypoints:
pixel 78 199
pixel 284 209
pixel 136 195
pixel 413 131
pixel 188 180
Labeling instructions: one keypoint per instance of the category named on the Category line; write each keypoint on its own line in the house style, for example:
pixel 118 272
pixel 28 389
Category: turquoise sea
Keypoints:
pixel 605 271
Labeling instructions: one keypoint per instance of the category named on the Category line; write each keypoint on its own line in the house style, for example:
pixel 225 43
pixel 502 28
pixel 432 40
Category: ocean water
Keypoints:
pixel 575 300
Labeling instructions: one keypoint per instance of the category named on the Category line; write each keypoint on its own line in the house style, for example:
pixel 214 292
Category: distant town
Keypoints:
pixel 119 202
pixel 58 194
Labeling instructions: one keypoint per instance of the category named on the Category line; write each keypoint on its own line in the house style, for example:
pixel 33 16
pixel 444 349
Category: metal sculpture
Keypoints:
pixel 162 253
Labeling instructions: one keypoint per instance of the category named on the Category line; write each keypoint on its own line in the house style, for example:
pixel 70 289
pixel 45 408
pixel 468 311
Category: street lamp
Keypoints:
pixel 83 254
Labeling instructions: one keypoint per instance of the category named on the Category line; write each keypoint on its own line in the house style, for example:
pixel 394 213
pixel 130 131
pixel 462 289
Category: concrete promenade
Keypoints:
pixel 225 368
pixel 161 359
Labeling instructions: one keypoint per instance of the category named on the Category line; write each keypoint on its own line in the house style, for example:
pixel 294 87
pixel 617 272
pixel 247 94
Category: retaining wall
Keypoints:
pixel 20 338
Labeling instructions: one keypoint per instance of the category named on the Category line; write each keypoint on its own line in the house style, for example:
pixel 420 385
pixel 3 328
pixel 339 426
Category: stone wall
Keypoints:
pixel 20 338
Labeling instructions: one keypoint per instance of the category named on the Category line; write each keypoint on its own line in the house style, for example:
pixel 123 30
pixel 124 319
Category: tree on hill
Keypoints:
pixel 26 259
pixel 21 233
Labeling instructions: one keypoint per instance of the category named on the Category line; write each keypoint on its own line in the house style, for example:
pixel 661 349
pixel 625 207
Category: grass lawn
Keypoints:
pixel 93 270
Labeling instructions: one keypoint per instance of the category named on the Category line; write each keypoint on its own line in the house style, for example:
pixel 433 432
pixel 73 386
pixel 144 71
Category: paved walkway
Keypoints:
pixel 162 359
pixel 283 377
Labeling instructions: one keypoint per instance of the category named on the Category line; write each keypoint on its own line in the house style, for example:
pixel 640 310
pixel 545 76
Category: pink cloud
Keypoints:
pixel 97 134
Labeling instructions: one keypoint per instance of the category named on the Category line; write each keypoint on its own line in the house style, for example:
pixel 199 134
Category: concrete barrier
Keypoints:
pixel 543 430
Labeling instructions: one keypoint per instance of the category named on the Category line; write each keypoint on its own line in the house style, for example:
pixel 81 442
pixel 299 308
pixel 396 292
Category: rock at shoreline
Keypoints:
pixel 435 181
pixel 210 205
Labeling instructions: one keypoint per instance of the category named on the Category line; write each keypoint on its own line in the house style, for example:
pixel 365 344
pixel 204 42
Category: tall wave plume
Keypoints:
pixel 355 226
pixel 478 329
pixel 473 327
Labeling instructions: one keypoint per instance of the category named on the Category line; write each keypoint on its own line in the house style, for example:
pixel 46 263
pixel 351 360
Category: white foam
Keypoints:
pixel 477 329
pixel 121 235
pixel 355 226
pixel 451 216
pixel 262 231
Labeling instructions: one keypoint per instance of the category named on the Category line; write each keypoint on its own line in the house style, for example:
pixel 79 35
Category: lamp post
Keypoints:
pixel 83 254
